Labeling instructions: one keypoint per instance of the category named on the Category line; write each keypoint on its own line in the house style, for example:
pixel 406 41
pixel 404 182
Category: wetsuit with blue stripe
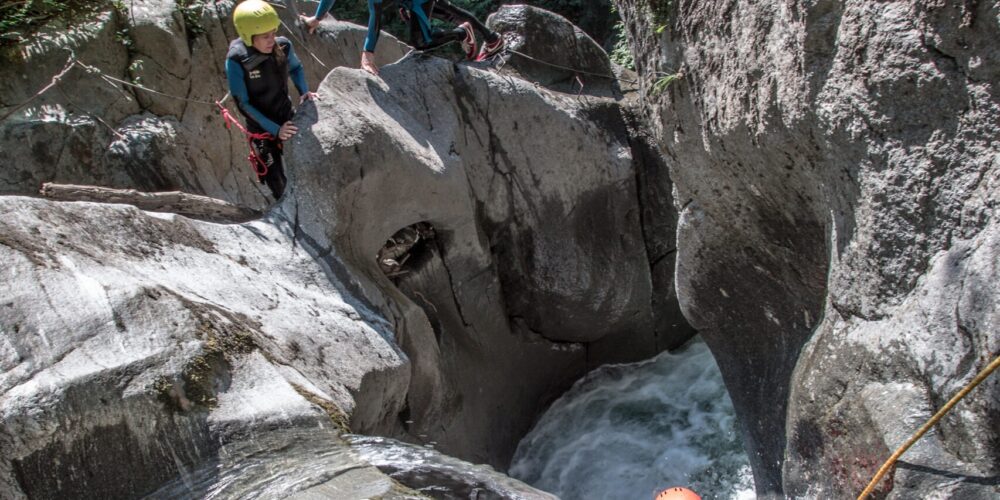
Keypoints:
pixel 258 83
pixel 422 35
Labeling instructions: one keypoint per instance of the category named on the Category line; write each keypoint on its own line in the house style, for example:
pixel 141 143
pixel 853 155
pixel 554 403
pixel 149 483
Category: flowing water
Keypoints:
pixel 440 476
pixel 622 432
pixel 311 463
pixel 628 431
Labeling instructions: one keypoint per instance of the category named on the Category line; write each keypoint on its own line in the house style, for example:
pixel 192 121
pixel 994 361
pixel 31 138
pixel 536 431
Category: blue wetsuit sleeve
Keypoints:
pixel 324 7
pixel 297 73
pixel 374 11
pixel 238 89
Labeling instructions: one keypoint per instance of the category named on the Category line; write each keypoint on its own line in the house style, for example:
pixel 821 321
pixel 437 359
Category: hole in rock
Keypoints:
pixel 405 250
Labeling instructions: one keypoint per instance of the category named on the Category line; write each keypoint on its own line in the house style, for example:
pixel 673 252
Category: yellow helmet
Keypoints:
pixel 254 17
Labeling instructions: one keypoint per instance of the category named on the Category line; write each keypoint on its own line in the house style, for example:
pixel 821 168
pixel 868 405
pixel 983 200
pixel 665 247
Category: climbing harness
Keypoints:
pixel 927 426
pixel 256 163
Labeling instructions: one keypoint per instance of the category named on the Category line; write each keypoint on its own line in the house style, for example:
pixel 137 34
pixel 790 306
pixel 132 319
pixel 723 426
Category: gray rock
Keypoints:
pixel 825 154
pixel 436 475
pixel 533 197
pixel 155 344
pixel 186 353
pixel 155 47
pixel 557 52
pixel 159 53
pixel 898 371
pixel 93 42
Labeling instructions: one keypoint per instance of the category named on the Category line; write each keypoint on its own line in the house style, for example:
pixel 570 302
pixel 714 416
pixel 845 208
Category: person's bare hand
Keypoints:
pixel 310 21
pixel 368 62
pixel 308 95
pixel 287 131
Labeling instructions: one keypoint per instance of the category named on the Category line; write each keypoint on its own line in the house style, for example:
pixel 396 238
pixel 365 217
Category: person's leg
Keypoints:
pixel 374 25
pixel 269 152
pixel 427 37
pixel 418 38
pixel 445 11
pixel 431 38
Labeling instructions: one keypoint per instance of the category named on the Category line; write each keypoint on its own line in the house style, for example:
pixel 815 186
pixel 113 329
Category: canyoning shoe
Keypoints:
pixel 490 49
pixel 469 44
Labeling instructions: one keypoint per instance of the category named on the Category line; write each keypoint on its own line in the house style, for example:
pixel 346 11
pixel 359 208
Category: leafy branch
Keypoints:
pixel 663 82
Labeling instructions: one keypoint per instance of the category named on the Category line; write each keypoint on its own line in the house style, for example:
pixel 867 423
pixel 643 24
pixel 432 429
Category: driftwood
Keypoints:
pixel 189 205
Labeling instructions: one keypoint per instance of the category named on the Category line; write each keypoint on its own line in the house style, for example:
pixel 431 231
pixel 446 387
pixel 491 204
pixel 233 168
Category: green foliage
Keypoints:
pixel 663 83
pixel 21 19
pixel 192 11
pixel 621 53
pixel 124 37
pixel 134 69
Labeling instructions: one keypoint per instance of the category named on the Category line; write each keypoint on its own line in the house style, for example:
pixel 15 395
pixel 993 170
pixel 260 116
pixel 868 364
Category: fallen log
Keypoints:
pixel 186 204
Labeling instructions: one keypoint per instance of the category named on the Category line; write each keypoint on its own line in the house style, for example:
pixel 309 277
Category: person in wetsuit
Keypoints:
pixel 258 65
pixel 422 36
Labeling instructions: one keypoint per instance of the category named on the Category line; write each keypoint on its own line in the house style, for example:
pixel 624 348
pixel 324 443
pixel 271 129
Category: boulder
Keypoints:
pixel 158 50
pixel 426 470
pixel 155 345
pixel 548 49
pixel 539 267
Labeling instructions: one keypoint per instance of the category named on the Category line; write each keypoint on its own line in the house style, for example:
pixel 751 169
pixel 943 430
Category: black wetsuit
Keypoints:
pixel 258 83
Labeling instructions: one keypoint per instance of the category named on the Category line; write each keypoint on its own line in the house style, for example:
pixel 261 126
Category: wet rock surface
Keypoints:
pixel 140 346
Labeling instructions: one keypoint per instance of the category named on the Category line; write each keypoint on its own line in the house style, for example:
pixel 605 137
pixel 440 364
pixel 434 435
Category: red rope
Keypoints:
pixel 256 163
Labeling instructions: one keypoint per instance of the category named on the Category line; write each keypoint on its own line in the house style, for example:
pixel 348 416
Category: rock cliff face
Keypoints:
pixel 499 311
pixel 91 130
pixel 837 173
pixel 154 347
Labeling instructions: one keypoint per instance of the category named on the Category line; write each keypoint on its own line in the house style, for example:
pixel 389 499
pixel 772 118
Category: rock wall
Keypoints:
pixel 177 352
pixel 90 130
pixel 507 307
pixel 835 168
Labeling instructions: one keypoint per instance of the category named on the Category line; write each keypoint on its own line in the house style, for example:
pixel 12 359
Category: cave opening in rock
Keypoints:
pixel 406 250
pixel 404 255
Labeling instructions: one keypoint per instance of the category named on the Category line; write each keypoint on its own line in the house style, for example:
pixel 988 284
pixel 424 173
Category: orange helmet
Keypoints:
pixel 677 493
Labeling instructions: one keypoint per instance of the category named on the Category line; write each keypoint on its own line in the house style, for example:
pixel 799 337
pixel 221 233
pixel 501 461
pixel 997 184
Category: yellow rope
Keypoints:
pixel 927 426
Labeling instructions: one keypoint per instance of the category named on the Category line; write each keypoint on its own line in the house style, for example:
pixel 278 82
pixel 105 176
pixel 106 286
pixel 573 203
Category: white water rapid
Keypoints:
pixel 629 431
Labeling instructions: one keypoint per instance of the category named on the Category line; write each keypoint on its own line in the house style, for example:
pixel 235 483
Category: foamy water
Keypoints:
pixel 628 431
